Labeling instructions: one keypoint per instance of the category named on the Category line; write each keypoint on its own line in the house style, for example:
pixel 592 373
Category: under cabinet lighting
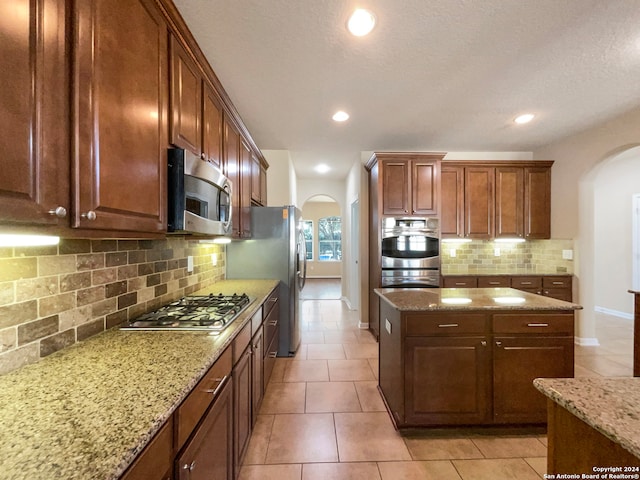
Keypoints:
pixel 456 240
pixel 218 240
pixel 509 240
pixel 11 240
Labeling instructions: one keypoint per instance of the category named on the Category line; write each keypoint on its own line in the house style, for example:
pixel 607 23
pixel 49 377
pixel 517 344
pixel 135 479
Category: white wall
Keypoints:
pixel 281 178
pixel 579 159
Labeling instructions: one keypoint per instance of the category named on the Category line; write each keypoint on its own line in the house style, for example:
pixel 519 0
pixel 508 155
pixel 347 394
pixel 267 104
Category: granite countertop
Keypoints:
pixel 455 270
pixel 85 412
pixel 462 299
pixel 609 405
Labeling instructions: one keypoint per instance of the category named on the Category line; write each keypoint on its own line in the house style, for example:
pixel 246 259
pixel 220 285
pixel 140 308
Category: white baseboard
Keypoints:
pixel 587 341
pixel 614 313
pixel 363 325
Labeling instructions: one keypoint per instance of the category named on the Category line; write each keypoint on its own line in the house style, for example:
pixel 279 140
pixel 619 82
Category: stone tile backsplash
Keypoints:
pixel 53 297
pixel 532 254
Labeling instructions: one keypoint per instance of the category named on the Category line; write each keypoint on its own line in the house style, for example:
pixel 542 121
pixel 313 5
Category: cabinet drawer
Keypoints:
pixel 270 354
pixel 460 282
pixel 271 323
pixel 241 342
pixel 497 281
pixel 556 282
pixel 191 410
pixel 533 324
pixel 269 303
pixel 157 457
pixel 445 324
pixel 526 282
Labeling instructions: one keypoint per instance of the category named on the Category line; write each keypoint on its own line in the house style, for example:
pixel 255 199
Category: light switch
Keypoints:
pixel 496 252
pixel 189 264
pixel 214 259
pixel 452 252
pixel 387 326
pixel 567 254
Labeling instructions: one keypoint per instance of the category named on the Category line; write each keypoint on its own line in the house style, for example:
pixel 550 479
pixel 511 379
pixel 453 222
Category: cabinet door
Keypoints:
pixel 257 390
pixel 447 380
pixel 263 185
pixel 256 180
pixel 186 99
pixel 211 126
pixel 156 460
pixel 242 386
pixel 395 187
pixel 245 190
pixel 231 168
pixel 509 202
pixel 425 187
pixel 209 454
pixel 120 116
pixel 478 201
pixel 33 142
pixel 516 362
pixel 452 202
pixel 537 202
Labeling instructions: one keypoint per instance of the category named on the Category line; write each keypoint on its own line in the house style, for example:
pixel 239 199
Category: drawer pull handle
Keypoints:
pixel 537 324
pixel 558 283
pixel 273 354
pixel 461 283
pixel 525 283
pixel 221 382
pixel 447 325
pixel 189 467
pixel 494 283
pixel 272 323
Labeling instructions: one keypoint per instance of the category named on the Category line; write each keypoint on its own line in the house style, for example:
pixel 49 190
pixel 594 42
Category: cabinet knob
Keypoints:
pixel 90 215
pixel 202 156
pixel 59 212
pixel 190 466
pixel 483 343
pixel 498 344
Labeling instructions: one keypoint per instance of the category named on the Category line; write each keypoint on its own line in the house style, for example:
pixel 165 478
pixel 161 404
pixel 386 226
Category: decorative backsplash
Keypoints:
pixel 540 255
pixel 53 297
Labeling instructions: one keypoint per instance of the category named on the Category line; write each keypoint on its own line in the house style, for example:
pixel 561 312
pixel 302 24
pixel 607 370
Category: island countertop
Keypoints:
pixel 461 299
pixel 609 405
pixel 85 412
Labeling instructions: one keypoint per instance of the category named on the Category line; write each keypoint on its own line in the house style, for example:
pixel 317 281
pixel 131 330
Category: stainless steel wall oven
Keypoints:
pixel 410 252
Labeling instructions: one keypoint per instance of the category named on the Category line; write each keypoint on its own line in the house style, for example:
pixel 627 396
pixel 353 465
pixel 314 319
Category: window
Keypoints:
pixel 330 239
pixel 307 230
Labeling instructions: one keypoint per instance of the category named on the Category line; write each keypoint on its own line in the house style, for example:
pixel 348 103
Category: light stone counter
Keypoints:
pixel 86 412
pixel 463 299
pixel 609 405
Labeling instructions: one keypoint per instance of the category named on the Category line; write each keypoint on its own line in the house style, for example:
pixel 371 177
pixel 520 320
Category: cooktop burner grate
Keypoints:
pixel 212 313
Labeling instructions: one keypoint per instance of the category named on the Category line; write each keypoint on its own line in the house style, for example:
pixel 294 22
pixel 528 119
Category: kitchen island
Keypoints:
pixel 87 411
pixel 468 356
pixel 594 426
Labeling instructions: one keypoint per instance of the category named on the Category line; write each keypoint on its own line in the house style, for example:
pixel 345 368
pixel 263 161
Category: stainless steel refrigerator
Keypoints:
pixel 276 250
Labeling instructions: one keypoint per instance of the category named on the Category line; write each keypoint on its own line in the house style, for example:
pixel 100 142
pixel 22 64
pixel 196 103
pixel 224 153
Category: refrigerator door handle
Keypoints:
pixel 301 248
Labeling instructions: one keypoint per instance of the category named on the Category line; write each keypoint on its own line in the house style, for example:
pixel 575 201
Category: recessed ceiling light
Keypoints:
pixel 322 168
pixel 526 118
pixel 361 22
pixel 340 116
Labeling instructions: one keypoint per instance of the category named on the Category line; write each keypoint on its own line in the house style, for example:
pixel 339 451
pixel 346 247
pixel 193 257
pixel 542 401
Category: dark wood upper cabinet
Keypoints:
pixel 231 168
pixel 120 116
pixel 211 126
pixel 186 100
pixel 395 187
pixel 425 183
pixel 34 120
pixel 245 190
pixel 509 202
pixel 452 200
pixel 478 201
pixel 537 202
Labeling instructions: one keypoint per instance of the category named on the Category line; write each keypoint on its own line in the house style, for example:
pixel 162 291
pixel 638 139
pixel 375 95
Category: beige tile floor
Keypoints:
pixel 322 416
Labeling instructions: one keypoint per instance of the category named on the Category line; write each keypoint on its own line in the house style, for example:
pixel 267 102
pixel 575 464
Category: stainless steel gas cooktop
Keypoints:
pixel 211 313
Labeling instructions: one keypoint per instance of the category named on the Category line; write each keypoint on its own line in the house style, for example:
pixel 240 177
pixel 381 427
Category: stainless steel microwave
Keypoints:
pixel 199 195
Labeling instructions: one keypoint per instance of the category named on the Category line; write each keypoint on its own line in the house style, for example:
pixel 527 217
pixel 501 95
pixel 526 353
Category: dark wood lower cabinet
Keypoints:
pixel 155 461
pixel 446 380
pixel 471 367
pixel 209 453
pixel 242 399
pixel 257 347
pixel 517 361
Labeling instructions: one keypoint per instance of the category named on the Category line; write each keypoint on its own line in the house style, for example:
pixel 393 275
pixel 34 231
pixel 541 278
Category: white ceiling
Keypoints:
pixel 436 75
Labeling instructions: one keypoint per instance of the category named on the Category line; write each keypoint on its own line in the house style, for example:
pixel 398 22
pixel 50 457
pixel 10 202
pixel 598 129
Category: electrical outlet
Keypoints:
pixel 452 252
pixel 189 264
pixel 496 252
pixel 567 254
pixel 214 259
pixel 387 326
